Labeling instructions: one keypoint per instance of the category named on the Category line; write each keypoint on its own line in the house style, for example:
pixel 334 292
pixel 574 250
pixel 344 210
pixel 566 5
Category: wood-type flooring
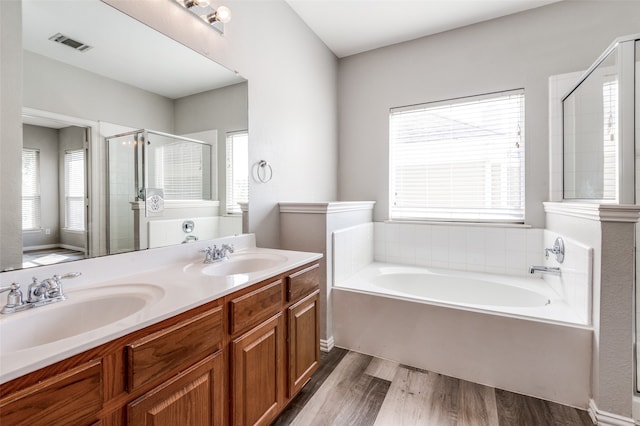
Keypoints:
pixel 356 389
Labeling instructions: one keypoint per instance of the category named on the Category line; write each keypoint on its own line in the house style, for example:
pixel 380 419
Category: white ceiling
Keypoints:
pixel 348 27
pixel 123 49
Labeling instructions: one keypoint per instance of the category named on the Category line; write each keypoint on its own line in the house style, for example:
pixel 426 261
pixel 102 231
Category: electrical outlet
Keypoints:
pixel 47 231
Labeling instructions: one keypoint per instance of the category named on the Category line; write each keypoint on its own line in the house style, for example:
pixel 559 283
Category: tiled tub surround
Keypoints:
pixel 542 351
pixel 507 252
pixel 162 267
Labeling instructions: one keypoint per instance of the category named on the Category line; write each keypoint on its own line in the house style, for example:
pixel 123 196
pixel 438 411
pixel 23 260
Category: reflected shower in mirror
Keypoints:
pixel 124 77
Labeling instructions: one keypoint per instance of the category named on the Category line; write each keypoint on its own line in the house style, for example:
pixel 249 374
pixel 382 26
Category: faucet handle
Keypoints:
pixel 14 298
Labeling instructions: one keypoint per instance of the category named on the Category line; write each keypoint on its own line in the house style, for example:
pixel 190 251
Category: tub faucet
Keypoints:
pixel 544 269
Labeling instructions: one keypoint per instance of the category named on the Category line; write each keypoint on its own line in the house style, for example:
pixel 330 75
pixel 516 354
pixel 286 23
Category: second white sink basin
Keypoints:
pixel 239 263
pixel 83 311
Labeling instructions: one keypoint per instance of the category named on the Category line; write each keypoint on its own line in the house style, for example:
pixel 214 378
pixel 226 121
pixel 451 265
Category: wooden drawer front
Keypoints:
pixel 163 351
pixel 73 397
pixel 253 307
pixel 303 282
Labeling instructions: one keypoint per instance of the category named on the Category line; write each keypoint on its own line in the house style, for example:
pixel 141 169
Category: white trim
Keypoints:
pixel 178 204
pixel 627 213
pixel 603 418
pixel 326 344
pixel 326 207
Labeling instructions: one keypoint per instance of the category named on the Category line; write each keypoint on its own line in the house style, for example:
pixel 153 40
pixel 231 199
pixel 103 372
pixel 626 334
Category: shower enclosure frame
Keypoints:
pixel 141 138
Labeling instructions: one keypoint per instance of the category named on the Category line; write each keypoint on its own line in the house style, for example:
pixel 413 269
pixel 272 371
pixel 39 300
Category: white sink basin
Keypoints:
pixel 240 263
pixel 84 311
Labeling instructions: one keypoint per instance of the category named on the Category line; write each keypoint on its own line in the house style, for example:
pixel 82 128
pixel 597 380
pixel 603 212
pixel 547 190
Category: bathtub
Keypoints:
pixel 513 333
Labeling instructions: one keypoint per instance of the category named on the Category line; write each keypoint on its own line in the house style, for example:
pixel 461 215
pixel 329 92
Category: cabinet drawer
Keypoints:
pixel 73 397
pixel 249 309
pixel 303 282
pixel 163 351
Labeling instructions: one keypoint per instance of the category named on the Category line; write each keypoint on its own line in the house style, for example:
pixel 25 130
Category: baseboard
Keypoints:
pixel 603 418
pixel 326 344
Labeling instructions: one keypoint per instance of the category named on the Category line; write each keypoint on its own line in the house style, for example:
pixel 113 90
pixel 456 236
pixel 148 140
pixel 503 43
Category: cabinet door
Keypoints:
pixel 258 373
pixel 194 397
pixel 304 341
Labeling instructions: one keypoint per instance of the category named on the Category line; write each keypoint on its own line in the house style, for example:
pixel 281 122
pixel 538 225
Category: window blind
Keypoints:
pixel 74 182
pixel 237 173
pixel 460 160
pixel 179 171
pixel 30 189
pixel 610 142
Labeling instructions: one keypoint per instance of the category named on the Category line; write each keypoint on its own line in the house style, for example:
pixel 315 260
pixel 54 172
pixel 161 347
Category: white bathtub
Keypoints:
pixel 509 295
pixel 513 333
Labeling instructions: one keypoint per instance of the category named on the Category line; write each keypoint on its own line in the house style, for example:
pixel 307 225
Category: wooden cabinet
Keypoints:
pixel 236 360
pixel 258 372
pixel 304 341
pixel 195 397
pixel 75 396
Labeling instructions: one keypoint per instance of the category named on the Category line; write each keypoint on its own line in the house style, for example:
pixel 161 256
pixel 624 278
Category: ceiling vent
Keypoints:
pixel 63 39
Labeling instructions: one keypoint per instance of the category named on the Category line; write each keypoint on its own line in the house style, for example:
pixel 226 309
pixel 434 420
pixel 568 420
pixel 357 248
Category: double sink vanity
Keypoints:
pixel 187 342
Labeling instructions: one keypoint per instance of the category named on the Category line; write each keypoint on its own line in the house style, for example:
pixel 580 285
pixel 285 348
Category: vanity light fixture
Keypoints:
pixel 216 17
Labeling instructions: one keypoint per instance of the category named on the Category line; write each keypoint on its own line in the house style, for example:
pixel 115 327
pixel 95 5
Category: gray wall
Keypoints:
pixel 517 51
pixel 46 141
pixel 10 134
pixel 57 87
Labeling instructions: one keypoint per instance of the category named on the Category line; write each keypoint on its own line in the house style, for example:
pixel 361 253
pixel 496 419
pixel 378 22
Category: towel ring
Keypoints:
pixel 264 171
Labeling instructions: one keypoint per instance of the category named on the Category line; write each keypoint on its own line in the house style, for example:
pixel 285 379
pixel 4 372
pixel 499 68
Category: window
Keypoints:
pixel 459 160
pixel 30 189
pixel 74 190
pixel 237 170
pixel 180 168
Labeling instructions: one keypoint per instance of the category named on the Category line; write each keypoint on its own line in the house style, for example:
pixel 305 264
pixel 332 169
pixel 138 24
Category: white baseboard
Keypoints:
pixel 603 418
pixel 326 344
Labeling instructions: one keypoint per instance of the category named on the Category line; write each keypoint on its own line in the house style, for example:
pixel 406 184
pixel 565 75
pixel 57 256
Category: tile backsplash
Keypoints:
pixel 491 249
pixel 499 250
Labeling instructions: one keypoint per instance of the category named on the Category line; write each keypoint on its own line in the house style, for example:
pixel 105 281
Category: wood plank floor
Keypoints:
pixel 356 389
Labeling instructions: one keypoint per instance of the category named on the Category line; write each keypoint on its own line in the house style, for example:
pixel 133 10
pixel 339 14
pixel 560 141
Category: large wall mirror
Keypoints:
pixel 127 137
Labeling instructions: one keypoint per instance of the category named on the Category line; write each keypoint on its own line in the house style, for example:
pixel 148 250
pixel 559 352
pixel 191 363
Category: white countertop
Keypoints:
pixel 177 287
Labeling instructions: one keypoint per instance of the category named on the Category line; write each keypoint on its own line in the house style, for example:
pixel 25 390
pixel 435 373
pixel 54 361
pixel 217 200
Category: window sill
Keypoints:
pixel 460 223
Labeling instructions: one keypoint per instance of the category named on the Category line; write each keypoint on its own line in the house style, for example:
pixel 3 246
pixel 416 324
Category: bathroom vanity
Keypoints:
pixel 237 358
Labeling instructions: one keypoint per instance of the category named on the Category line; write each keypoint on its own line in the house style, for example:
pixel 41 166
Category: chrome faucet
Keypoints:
pixel 215 254
pixel 553 270
pixel 38 293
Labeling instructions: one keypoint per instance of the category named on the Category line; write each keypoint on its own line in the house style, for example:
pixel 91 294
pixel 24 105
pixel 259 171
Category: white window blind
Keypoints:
pixel 74 190
pixel 179 171
pixel 237 171
pixel 459 160
pixel 610 143
pixel 30 189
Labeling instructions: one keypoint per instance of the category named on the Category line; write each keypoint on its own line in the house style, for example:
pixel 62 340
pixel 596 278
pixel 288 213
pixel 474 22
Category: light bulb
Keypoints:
pixel 223 14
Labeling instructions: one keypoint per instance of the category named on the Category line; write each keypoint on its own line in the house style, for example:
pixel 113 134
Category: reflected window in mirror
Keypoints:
pixel 30 189
pixel 237 170
pixel 182 169
pixel 74 190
